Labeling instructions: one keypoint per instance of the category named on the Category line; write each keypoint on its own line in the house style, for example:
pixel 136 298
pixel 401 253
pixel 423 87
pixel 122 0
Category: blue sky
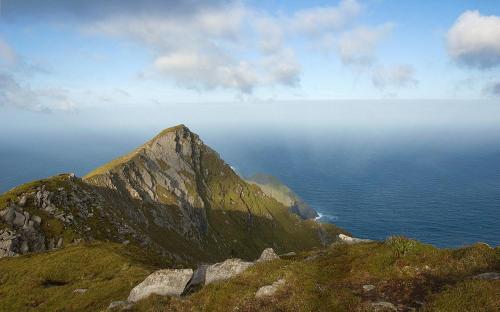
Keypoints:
pixel 70 55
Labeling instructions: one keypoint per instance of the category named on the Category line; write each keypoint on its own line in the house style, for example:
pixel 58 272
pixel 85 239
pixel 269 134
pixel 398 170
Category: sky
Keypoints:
pixel 90 59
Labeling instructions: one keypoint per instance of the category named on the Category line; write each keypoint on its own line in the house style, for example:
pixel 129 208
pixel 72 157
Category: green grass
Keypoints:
pixel 328 279
pixel 332 280
pixel 46 281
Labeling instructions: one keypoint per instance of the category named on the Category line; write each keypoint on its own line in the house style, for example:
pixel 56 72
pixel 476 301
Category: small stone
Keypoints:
pixel 36 219
pixel 269 290
pixel 59 242
pixel 267 255
pixel 368 287
pixel 121 305
pixel 80 290
pixel 383 306
pixel 489 276
pixel 8 214
pixel 352 240
pixel 19 219
pixel 24 247
pixel 23 200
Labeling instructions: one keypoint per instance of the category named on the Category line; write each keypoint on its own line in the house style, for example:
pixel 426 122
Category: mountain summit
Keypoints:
pixel 173 195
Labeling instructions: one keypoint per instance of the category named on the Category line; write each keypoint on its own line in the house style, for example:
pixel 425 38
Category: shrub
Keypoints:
pixel 401 245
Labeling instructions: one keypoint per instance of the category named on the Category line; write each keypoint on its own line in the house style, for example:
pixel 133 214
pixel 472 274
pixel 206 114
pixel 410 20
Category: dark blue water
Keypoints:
pixel 441 188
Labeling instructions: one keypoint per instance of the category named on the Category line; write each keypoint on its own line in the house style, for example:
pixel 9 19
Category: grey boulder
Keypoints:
pixel 225 270
pixel 267 255
pixel 163 282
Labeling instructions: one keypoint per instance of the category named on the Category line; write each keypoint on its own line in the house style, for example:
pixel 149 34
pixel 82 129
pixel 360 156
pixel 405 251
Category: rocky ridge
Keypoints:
pixel 173 195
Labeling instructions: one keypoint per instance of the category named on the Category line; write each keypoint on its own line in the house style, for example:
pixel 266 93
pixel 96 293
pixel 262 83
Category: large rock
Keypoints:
pixel 163 282
pixel 225 270
pixel 197 280
pixel 269 290
pixel 352 240
pixel 267 255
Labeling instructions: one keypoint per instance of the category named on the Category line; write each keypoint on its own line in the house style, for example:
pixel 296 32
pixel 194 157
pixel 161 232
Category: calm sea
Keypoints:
pixel 439 187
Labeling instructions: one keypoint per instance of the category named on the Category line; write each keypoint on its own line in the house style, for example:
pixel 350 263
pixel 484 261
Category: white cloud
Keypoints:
pixel 210 48
pixel 474 40
pixel 398 76
pixel 197 70
pixel 357 47
pixel 319 20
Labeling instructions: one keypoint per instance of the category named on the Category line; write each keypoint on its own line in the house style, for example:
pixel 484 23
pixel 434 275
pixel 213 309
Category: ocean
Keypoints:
pixel 440 187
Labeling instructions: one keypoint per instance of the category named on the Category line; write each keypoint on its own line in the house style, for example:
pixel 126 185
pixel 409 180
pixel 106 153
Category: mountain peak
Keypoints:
pixel 176 139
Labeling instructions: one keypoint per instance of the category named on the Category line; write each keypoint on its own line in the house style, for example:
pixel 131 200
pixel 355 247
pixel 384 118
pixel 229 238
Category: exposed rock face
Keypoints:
pixel 352 240
pixel 225 270
pixel 22 233
pixel 267 255
pixel 269 290
pixel 163 283
pixel 24 219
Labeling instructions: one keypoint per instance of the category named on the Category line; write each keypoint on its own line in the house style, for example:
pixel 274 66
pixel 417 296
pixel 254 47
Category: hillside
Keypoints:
pixel 173 196
pixel 397 274
pixel 271 186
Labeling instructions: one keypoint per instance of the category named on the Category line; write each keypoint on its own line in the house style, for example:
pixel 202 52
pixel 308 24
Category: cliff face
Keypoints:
pixel 173 195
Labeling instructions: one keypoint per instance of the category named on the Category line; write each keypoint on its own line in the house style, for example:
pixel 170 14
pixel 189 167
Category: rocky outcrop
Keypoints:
pixel 225 270
pixel 269 290
pixel 163 283
pixel 22 233
pixel 23 219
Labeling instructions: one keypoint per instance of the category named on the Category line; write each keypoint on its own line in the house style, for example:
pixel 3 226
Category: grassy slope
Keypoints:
pixel 328 279
pixel 333 280
pixel 46 281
